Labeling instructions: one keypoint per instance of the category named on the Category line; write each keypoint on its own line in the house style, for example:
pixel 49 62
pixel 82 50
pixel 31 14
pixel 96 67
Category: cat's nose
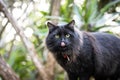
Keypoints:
pixel 62 44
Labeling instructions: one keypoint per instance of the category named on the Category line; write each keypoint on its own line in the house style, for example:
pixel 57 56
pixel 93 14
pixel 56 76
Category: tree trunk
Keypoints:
pixel 6 72
pixel 55 12
pixel 29 46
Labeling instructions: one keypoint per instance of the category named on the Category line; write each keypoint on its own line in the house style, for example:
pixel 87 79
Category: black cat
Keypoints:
pixel 84 54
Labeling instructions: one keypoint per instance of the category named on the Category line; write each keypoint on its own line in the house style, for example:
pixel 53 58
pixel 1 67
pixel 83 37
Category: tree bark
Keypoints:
pixel 29 46
pixel 6 72
pixel 55 11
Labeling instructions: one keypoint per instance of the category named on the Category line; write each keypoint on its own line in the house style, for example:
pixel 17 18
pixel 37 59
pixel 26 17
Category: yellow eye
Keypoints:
pixel 57 36
pixel 67 35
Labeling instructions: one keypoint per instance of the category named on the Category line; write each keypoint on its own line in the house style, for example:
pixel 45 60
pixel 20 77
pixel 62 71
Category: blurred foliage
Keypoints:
pixel 87 15
pixel 91 17
pixel 22 64
pixel 66 10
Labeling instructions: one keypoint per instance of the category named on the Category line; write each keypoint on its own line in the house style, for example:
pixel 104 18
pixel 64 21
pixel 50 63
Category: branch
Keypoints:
pixel 50 67
pixel 29 46
pixel 2 30
pixel 6 72
pixel 11 47
pixel 55 9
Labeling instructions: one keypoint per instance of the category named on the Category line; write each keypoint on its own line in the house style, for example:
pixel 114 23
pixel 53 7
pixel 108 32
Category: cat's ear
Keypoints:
pixel 71 24
pixel 50 25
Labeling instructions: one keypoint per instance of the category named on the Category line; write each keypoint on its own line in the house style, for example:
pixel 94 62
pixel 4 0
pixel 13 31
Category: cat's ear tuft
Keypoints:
pixel 71 24
pixel 50 25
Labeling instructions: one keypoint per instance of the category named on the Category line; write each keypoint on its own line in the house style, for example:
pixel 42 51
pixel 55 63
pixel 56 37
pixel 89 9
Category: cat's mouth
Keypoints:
pixel 66 57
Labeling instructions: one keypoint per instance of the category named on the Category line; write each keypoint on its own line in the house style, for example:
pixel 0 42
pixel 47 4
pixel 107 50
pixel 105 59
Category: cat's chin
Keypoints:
pixel 66 52
pixel 63 49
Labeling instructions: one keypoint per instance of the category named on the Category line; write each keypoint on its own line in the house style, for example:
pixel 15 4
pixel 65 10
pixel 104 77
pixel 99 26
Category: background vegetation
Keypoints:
pixel 32 15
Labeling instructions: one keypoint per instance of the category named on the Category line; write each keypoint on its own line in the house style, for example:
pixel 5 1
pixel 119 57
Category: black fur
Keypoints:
pixel 85 54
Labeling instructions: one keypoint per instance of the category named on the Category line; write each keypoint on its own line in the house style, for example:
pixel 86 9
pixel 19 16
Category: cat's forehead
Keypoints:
pixel 63 30
pixel 61 27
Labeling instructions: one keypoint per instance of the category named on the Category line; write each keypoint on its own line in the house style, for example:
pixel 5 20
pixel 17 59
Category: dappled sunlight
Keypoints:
pixel 28 32
pixel 24 28
pixel 115 30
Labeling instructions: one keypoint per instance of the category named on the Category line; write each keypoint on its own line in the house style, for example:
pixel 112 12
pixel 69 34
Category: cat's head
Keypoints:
pixel 62 38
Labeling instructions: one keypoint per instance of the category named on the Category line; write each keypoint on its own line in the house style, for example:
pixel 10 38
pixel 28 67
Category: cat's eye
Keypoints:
pixel 57 36
pixel 67 35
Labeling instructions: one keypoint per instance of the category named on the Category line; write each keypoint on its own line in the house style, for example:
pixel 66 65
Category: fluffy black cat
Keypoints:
pixel 84 54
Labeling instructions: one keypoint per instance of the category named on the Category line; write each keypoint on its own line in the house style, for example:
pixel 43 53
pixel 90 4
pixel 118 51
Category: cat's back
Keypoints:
pixel 106 37
pixel 107 41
